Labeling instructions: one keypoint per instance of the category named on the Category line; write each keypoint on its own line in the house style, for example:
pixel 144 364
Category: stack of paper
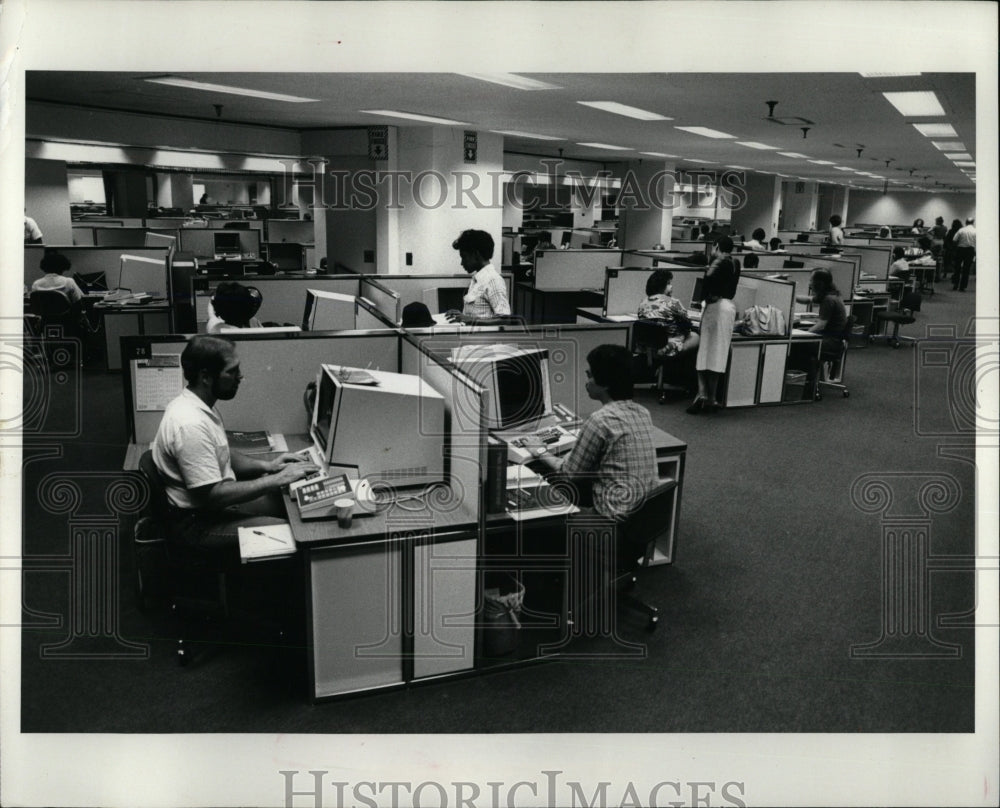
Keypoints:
pixel 266 541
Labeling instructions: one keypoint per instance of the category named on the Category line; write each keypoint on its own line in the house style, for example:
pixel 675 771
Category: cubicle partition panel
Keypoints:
pixel 126 236
pixel 151 278
pixel 625 288
pixel 573 270
pixel 83 235
pixel 292 230
pixel 367 316
pixel 284 297
pixel 201 241
pixel 242 224
pixel 386 301
pixel 568 347
pixel 276 370
pixel 175 223
pixel 427 288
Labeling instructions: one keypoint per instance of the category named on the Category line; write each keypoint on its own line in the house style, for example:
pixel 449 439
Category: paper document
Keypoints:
pixel 266 541
pixel 158 381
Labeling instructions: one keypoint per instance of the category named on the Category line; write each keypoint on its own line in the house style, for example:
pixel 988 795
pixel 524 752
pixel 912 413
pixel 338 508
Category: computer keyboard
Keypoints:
pixel 546 436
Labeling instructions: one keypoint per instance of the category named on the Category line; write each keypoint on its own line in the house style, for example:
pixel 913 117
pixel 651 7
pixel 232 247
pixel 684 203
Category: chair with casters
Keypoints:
pixel 903 315
pixel 194 583
pixel 831 368
pixel 673 373
pixel 637 537
pixel 54 316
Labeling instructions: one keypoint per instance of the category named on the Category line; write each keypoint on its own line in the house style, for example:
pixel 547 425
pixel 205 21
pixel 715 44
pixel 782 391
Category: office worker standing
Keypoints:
pixel 211 489
pixel 32 232
pixel 486 301
pixel 965 254
pixel 831 321
pixel 717 321
pixel 836 231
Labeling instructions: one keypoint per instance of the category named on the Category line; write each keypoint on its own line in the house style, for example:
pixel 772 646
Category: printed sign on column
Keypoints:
pixel 471 146
pixel 378 142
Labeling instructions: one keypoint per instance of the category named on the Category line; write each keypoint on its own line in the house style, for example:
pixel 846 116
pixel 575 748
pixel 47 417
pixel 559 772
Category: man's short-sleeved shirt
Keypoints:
pixel 191 449
pixel 487 295
pixel 966 237
pixel 616 444
pixel 32 232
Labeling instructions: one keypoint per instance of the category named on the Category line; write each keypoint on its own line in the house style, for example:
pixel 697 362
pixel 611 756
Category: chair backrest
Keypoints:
pixel 50 304
pixel 650 333
pixel 159 507
pixel 652 519
pixel 911 300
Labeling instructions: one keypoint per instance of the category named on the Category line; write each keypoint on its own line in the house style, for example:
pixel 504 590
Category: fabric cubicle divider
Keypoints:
pixel 126 236
pixel 277 369
pixel 296 231
pixel 99 259
pixel 416 288
pixel 201 241
pixel 625 288
pixel 573 270
pixel 568 347
pixel 368 317
pixel 386 301
pixel 83 236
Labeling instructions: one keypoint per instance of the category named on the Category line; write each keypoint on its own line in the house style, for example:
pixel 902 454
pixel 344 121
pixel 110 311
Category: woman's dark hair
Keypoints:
pixel 477 241
pixel 235 303
pixel 725 244
pixel 775 243
pixel 898 252
pixel 656 283
pixel 956 224
pixel 417 315
pixel 939 220
pixel 53 261
pixel 835 220
pixel 750 261
pixel 759 234
pixel 918 222
pixel 205 352
pixel 822 283
pixel 611 368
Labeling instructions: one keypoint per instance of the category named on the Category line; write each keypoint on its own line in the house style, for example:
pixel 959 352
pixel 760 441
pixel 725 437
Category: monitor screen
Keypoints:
pixel 227 243
pixel 699 291
pixel 567 238
pixel 521 385
pixel 287 256
pixel 91 281
pixel 323 412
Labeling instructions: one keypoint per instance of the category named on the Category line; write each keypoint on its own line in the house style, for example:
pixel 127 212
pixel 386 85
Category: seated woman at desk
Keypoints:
pixel 55 265
pixel 660 305
pixel 756 241
pixel 900 267
pixel 235 305
pixel 831 320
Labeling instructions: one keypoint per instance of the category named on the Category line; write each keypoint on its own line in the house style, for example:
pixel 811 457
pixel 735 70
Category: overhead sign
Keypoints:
pixel 378 142
pixel 471 146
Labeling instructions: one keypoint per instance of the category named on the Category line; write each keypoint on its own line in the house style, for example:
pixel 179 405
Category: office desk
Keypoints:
pixel 122 320
pixel 555 306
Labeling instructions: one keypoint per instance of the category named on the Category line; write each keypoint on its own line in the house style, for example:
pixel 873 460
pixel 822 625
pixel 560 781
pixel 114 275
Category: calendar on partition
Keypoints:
pixel 158 381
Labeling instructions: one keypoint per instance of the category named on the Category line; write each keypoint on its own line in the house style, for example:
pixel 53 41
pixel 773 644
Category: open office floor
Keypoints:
pixel 778 575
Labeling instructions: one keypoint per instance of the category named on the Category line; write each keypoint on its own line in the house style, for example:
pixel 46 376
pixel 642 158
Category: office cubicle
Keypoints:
pixel 843 270
pixel 284 298
pixel 201 241
pixel 292 230
pixel 573 270
pixel 152 278
pixel 427 289
pixel 625 288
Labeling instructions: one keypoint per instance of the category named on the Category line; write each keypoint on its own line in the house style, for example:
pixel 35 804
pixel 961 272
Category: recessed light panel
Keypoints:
pixel 526 134
pixel 623 109
pixel 792 154
pixel 173 81
pixel 936 129
pixel 510 80
pixel 911 104
pixel 822 162
pixel 958 156
pixel 604 146
pixel 948 145
pixel 413 116
pixel 704 131
pixel 657 154
pixel 754 145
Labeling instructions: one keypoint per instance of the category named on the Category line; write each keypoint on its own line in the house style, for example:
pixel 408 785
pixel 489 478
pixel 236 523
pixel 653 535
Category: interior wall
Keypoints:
pixel 899 207
pixel 46 199
pixel 799 207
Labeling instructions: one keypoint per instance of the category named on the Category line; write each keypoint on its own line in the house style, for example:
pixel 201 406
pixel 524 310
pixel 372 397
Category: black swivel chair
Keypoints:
pixel 672 373
pixel 903 315
pixel 832 365
pixel 636 543
pixel 53 315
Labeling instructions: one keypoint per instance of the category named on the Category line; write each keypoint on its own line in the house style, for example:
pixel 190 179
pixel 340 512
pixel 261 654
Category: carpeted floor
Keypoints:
pixel 778 576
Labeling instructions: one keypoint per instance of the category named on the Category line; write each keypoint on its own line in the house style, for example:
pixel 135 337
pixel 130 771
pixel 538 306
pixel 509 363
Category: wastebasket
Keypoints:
pixel 795 385
pixel 503 599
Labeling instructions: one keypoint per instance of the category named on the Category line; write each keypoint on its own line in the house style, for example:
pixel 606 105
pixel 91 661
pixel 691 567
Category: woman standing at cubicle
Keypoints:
pixel 717 321
pixel 836 231
pixel 831 321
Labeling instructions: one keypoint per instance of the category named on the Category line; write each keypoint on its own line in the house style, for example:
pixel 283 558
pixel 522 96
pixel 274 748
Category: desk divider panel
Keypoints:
pixel 296 231
pixel 255 224
pixel 175 222
pixel 568 346
pixel 83 236
pixel 94 259
pixel 126 236
pixel 780 294
pixel 201 241
pixel 625 288
pixel 276 368
pixel 284 297
pixel 573 269
pixel 387 301
pixel 368 317
pixel 422 288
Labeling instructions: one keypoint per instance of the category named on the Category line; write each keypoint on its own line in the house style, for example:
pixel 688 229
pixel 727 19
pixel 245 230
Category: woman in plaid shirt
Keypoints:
pixel 486 301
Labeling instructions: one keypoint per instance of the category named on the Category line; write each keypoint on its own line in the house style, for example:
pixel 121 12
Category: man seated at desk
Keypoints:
pixel 212 490
pixel 486 301
pixel 614 456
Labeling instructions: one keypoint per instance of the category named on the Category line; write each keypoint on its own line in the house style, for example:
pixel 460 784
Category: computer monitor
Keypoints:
pixel 699 292
pixel 390 426
pixel 160 240
pixel 441 299
pixel 227 243
pixel 567 239
pixel 137 273
pixel 791 263
pixel 516 380
pixel 286 255
pixel 91 281
pixel 329 311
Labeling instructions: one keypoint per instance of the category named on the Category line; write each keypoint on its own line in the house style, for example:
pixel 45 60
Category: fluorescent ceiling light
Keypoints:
pixel 741 168
pixel 511 80
pixel 412 116
pixel 622 109
pixel 966 163
pixel 959 156
pixel 921 102
pixel 525 134
pixel 793 154
pixel 843 168
pixel 704 131
pixel 173 81
pixel 604 146
pixel 936 129
pixel 751 144
pixel 657 154
pixel 885 75
pixel 822 162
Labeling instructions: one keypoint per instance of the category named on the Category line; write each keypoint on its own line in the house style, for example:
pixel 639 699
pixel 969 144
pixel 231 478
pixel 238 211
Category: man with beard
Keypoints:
pixel 211 489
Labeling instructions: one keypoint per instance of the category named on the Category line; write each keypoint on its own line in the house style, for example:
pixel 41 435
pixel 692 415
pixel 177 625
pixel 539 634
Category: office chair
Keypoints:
pixel 636 542
pixel 903 315
pixel 832 366
pixel 648 338
pixel 54 316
